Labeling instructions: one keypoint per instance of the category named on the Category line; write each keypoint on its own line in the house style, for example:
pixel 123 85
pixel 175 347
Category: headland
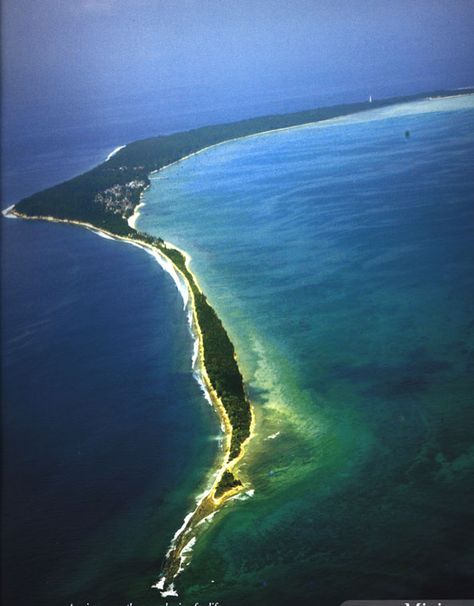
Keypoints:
pixel 106 199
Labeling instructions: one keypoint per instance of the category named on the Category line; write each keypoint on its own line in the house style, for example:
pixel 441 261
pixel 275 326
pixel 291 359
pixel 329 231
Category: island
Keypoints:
pixel 106 197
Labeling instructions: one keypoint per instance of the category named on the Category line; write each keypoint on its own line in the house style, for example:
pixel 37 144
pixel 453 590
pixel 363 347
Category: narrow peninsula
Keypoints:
pixel 106 197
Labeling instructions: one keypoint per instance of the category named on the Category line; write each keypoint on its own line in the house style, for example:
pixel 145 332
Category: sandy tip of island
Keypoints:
pixel 8 212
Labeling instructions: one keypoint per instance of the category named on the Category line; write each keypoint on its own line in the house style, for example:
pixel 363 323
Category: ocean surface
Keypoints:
pixel 339 257
pixel 107 438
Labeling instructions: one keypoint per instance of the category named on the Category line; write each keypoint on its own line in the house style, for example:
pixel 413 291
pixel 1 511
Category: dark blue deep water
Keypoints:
pixel 106 434
pixel 340 259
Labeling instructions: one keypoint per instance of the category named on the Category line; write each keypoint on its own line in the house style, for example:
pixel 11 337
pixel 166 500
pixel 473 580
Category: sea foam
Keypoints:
pixel 104 235
pixel 115 151
pixel 197 374
pixel 6 212
pixel 169 268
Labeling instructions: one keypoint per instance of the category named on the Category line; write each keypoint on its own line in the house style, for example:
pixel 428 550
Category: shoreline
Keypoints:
pixel 132 220
pixel 114 151
pixel 8 212
pixel 207 504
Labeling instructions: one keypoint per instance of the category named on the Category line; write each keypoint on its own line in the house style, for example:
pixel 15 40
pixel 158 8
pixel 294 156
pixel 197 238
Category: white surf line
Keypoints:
pixel 6 212
pixel 273 436
pixel 234 139
pixel 115 151
pixel 293 127
pixel 103 235
pixel 167 265
pixel 243 137
pixel 132 220
pixel 243 496
pixel 199 373
pixel 185 554
pixel 248 494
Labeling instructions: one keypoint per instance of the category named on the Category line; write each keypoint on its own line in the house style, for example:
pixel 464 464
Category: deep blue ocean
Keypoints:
pixel 106 436
pixel 340 259
pixel 104 425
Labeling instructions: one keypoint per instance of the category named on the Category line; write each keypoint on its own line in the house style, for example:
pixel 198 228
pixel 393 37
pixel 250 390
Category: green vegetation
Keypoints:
pixel 219 354
pixel 107 195
pixel 78 198
pixel 219 359
pixel 227 482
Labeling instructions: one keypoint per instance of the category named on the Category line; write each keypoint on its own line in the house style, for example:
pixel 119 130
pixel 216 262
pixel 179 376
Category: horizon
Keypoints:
pixel 230 55
pixel 284 319
pixel 116 72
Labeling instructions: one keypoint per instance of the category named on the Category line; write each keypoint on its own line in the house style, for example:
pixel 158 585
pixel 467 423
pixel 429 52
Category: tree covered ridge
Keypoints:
pixel 219 360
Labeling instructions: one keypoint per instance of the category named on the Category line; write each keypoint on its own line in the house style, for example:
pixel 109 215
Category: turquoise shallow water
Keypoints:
pixel 339 257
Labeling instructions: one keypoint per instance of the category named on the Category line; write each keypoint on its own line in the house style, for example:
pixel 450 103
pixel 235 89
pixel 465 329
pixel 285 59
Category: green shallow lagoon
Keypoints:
pixel 339 257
